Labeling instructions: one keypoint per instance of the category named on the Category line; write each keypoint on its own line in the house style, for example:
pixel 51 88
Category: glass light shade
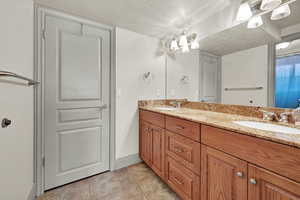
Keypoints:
pixel 282 45
pixel 244 12
pixel 185 48
pixel 255 22
pixel 195 45
pixel 269 4
pixel 183 41
pixel 174 45
pixel 281 12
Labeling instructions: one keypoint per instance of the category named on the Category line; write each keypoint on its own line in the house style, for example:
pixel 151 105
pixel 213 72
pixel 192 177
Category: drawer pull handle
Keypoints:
pixel 180 127
pixel 240 174
pixel 252 181
pixel 178 181
pixel 178 150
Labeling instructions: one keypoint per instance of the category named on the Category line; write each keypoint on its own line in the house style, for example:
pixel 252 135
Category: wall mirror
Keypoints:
pixel 243 65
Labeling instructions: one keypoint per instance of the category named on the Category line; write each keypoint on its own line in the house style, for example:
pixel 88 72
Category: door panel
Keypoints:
pixel 265 185
pixel 158 150
pixel 223 177
pixel 77 80
pixel 77 62
pixel 146 142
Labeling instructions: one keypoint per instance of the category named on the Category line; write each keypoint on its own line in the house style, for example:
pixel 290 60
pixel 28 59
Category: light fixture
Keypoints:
pixel 183 40
pixel 282 45
pixel 269 4
pixel 194 44
pixel 174 45
pixel 244 12
pixel 255 22
pixel 185 44
pixel 281 12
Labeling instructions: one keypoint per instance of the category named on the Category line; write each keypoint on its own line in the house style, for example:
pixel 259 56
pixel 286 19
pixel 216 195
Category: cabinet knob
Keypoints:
pixel 252 181
pixel 240 174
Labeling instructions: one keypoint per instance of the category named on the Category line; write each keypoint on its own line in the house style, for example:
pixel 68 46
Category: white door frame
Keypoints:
pixel 39 56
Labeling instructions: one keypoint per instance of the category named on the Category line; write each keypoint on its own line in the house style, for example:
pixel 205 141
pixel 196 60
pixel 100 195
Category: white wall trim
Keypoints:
pixel 32 193
pixel 39 20
pixel 127 161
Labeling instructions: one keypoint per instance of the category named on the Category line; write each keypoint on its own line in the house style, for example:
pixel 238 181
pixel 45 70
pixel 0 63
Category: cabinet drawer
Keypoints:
pixel 183 127
pixel 183 181
pixel 279 158
pixel 153 118
pixel 184 150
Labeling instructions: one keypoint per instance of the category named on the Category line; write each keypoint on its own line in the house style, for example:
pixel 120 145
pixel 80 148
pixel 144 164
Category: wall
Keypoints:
pixel 183 64
pixel 16 101
pixel 247 68
pixel 135 55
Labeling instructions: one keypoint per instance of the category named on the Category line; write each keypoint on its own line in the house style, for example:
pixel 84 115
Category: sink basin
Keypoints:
pixel 166 108
pixel 268 127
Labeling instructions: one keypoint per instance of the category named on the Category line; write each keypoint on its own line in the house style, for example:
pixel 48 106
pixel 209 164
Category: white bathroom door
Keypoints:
pixel 209 78
pixel 77 71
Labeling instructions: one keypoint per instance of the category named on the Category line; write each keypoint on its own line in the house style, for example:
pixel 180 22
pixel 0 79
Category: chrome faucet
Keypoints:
pixel 176 104
pixel 272 116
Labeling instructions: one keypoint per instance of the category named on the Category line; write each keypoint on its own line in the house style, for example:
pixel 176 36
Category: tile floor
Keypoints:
pixel 137 182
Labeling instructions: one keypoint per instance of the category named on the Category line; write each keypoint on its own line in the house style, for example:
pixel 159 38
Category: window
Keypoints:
pixel 287 92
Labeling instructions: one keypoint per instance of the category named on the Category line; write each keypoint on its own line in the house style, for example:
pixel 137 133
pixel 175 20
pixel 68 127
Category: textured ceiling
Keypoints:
pixel 151 17
pixel 213 20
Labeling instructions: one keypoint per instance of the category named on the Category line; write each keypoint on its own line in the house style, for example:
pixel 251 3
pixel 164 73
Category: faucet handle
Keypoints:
pixel 284 117
pixel 267 115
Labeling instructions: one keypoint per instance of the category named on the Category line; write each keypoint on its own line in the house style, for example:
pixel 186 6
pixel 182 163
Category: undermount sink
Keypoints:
pixel 268 127
pixel 166 108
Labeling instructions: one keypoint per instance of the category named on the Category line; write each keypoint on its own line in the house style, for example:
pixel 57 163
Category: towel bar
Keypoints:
pixel 11 74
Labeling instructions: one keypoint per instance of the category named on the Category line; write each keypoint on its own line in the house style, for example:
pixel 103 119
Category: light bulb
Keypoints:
pixel 174 45
pixel 185 48
pixel 281 12
pixel 269 4
pixel 282 45
pixel 183 40
pixel 255 22
pixel 195 45
pixel 244 12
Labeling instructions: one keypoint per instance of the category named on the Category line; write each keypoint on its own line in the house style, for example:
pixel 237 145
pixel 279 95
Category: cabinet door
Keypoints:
pixel 223 177
pixel 146 142
pixel 265 185
pixel 158 150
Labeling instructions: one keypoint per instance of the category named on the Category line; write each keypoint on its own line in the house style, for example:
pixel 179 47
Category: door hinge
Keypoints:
pixel 43 33
pixel 43 162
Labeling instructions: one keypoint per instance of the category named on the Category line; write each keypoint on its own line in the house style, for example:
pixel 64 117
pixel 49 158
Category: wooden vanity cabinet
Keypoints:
pixel 201 162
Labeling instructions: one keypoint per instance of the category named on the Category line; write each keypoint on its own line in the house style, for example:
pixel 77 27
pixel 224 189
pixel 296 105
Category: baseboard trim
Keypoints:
pixel 32 192
pixel 127 161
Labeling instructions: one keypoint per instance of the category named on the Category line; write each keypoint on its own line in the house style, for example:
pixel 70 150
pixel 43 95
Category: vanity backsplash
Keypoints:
pixel 248 111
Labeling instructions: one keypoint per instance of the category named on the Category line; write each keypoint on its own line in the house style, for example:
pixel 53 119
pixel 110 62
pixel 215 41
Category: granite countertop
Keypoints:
pixel 225 121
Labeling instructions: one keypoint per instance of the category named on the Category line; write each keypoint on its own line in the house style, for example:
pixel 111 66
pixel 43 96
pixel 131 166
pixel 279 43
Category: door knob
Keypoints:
pixel 252 181
pixel 239 174
pixel 5 123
